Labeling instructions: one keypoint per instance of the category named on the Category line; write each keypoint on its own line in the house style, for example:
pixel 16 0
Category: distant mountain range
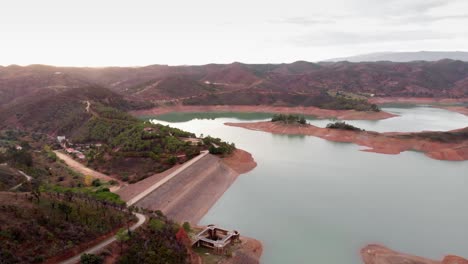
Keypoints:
pixel 406 56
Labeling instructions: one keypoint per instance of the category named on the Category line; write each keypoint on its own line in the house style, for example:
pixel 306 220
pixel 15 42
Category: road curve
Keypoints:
pixel 28 178
pixel 146 192
pixel 105 243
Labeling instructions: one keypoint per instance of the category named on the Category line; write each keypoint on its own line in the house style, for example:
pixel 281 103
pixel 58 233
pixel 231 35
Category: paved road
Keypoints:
pixel 187 164
pixel 105 243
pixel 141 218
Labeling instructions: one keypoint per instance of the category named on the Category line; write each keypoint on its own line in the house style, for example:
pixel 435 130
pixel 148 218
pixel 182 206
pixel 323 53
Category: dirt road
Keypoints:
pixel 75 165
pixel 28 179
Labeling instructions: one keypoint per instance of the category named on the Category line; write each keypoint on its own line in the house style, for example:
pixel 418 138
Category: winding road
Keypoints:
pixel 105 243
pixel 28 178
pixel 141 218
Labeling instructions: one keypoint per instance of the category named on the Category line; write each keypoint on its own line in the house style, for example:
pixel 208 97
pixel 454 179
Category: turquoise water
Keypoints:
pixel 314 201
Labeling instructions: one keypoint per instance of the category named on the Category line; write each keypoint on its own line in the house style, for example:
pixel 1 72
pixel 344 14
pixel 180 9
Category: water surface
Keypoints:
pixel 314 201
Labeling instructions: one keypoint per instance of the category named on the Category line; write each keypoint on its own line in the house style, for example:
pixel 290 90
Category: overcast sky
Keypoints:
pixel 142 32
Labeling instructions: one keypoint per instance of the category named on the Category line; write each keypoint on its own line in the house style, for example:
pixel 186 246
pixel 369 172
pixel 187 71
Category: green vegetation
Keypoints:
pixel 218 147
pixel 36 158
pixel 122 236
pixel 100 193
pixel 91 259
pixel 344 103
pixel 187 227
pixel 155 242
pixel 131 148
pixel 289 119
pixel 343 126
pixel 321 100
pixel 32 231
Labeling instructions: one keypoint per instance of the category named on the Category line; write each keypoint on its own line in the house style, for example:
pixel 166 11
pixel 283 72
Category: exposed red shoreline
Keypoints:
pixel 385 143
pixel 314 111
pixel 240 161
pixel 376 254
pixel 458 109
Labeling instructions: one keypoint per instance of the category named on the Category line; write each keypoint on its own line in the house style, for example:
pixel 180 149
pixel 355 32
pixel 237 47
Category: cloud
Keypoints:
pixel 396 7
pixel 422 19
pixel 303 21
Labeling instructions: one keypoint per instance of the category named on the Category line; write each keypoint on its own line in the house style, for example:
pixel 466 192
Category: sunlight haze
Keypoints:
pixel 135 33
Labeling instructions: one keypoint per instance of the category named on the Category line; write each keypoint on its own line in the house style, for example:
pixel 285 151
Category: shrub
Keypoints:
pixel 289 119
pixel 91 259
pixel 343 126
pixel 187 227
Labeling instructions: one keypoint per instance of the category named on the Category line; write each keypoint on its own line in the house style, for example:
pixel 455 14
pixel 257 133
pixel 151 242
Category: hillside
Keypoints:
pixel 9 178
pixel 252 84
pixel 100 134
pixel 33 231
pixel 406 56
pixel 57 112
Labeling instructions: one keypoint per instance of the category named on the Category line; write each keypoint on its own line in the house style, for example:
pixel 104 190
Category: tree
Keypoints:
pixel 122 236
pixel 35 187
pixel 302 121
pixel 96 183
pixel 187 227
pixel 66 209
pixel 91 259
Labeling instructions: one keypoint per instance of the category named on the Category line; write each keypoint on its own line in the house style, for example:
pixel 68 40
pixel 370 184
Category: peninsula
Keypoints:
pixel 451 145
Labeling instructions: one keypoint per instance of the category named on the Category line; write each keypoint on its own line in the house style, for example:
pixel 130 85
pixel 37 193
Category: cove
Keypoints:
pixel 314 201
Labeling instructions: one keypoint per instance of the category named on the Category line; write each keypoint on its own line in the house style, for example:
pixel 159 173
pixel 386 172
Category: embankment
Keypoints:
pixel 192 192
pixel 376 254
pixel 313 111
pixel 385 143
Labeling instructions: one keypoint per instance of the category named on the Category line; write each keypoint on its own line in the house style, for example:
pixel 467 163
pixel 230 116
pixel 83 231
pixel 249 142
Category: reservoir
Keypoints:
pixel 314 201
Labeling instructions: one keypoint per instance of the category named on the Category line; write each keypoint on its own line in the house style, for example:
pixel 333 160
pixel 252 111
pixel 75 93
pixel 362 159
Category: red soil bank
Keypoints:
pixel 249 252
pixel 314 111
pixel 385 143
pixel 458 109
pixel 241 161
pixel 375 254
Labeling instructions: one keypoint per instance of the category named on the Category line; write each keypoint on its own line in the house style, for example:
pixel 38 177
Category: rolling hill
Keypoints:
pixel 240 83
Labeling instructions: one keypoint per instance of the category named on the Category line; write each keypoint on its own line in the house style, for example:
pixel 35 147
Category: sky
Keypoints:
pixel 142 32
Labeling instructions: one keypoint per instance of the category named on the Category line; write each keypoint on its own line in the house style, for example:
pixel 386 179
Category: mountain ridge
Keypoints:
pixel 405 56
pixel 269 82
